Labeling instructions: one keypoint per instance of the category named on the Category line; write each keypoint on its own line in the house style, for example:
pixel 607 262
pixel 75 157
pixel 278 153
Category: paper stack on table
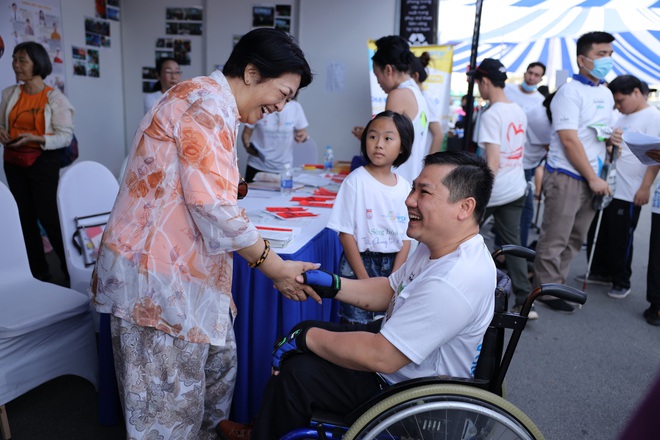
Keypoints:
pixel 278 237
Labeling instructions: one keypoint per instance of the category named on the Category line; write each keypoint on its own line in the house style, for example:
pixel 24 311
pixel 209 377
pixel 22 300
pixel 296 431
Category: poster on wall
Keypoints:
pixel 97 32
pixel 272 16
pixel 39 21
pixel 436 86
pixel 176 48
pixel 107 9
pixel 79 55
pixel 183 21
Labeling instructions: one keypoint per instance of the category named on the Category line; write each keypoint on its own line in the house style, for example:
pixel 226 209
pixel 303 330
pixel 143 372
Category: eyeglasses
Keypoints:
pixel 173 72
pixel 242 189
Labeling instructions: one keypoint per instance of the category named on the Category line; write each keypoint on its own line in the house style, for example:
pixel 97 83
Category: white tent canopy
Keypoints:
pixel 519 32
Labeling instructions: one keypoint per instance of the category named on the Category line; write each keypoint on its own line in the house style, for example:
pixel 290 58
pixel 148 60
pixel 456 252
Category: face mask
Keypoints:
pixel 526 87
pixel 602 66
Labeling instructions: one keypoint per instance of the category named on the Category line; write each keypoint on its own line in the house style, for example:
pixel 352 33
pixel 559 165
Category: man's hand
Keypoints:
pixel 324 283
pixel 616 138
pixel 300 135
pixel 287 346
pixel 599 187
pixel 642 196
pixel 251 150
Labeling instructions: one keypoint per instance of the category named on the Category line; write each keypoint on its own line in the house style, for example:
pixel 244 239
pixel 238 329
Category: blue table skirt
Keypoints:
pixel 264 315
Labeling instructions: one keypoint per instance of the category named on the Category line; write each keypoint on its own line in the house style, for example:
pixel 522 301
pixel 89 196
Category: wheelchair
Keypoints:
pixel 446 408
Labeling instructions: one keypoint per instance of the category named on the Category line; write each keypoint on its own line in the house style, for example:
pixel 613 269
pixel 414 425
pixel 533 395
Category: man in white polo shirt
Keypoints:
pixel 575 157
pixel 527 96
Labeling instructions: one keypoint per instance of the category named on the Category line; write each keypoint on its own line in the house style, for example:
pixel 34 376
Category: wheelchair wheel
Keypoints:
pixel 443 412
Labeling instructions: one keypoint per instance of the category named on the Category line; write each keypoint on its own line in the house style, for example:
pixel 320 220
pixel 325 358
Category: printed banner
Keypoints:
pixel 35 20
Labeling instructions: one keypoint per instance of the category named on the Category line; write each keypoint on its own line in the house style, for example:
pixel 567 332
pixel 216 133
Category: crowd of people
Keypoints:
pixel 413 259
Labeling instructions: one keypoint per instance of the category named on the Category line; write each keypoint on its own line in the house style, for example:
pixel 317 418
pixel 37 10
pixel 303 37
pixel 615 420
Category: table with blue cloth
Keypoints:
pixel 263 313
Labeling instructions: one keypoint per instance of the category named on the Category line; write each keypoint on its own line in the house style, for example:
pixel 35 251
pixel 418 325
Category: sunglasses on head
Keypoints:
pixel 242 189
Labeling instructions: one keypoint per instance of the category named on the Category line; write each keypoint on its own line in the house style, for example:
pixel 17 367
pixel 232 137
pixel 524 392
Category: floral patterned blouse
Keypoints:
pixel 166 259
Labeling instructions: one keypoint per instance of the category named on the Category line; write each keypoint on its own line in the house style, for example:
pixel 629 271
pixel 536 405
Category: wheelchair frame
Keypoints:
pixel 481 395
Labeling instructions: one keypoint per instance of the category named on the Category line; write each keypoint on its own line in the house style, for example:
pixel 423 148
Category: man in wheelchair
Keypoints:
pixel 437 308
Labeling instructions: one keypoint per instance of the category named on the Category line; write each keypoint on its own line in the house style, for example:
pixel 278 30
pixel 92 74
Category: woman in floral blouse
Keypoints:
pixel 164 270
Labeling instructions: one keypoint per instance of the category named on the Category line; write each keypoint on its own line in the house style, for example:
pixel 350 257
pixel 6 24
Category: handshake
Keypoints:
pixel 326 284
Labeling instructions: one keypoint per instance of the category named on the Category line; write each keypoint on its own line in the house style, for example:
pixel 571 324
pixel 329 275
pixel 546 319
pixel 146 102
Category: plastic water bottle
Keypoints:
pixel 328 159
pixel 286 180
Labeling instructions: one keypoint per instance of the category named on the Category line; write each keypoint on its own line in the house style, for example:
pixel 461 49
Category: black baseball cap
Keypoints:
pixel 490 68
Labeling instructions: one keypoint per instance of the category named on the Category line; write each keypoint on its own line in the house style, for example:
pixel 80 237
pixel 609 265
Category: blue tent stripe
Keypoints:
pixel 565 56
pixel 613 21
pixel 544 52
pixel 516 64
pixel 655 5
pixel 513 26
pixel 592 3
pixel 530 3
pixel 575 27
pixel 639 46
pixel 551 25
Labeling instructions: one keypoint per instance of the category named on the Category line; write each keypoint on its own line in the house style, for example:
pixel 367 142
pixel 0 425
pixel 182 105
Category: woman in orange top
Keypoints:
pixel 164 270
pixel 36 123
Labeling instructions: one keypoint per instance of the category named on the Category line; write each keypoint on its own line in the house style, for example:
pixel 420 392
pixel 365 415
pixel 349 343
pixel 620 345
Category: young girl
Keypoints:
pixel 370 212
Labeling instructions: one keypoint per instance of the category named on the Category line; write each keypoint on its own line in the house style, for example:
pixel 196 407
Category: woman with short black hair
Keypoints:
pixel 36 124
pixel 164 269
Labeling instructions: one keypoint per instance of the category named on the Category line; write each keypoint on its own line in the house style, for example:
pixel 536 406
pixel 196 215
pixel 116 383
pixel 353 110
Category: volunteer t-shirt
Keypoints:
pixel 578 106
pixel 504 124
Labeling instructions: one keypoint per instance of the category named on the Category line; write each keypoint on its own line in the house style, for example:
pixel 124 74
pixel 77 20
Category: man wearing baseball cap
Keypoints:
pixel 501 133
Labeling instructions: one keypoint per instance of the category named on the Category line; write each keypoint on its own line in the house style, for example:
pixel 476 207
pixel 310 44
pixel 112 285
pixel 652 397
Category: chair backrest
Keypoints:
pixel 86 188
pixel 13 256
pixel 305 152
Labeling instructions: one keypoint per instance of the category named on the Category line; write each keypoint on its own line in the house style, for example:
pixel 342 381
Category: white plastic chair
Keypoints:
pixel 305 152
pixel 86 188
pixel 46 330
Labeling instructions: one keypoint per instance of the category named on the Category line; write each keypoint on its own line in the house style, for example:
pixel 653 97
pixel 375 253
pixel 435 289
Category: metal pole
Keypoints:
pixel 473 63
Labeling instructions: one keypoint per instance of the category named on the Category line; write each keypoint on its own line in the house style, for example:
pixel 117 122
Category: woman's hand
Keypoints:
pixel 4 136
pixel 357 132
pixel 26 138
pixel 284 279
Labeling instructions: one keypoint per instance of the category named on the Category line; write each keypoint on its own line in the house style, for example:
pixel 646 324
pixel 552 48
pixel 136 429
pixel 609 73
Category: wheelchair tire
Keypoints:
pixel 443 412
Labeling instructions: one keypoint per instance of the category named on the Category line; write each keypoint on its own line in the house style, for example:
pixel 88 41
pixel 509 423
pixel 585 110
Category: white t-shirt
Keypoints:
pixel 273 136
pixel 413 166
pixel 440 310
pixel 526 101
pixel 150 99
pixel 539 132
pixel 577 106
pixel 374 213
pixel 505 124
pixel 629 170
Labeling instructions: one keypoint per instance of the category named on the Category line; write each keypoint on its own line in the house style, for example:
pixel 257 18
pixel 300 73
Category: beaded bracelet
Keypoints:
pixel 263 256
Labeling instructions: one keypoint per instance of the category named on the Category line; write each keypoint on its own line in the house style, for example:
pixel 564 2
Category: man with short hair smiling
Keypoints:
pixel 437 307
pixel 575 156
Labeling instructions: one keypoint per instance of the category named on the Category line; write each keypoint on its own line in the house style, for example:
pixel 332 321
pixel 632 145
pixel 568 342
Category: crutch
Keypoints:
pixel 535 224
pixel 608 173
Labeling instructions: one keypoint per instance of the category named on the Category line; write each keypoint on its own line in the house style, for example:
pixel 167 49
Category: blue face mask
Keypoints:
pixel 526 87
pixel 602 66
